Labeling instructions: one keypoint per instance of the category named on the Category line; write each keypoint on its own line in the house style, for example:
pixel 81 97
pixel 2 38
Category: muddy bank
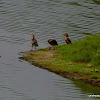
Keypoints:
pixel 46 59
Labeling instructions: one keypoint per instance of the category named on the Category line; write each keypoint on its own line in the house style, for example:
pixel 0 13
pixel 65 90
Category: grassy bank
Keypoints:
pixel 78 61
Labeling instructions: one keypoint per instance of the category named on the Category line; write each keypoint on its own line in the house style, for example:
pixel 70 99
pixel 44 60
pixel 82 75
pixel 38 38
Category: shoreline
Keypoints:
pixel 78 61
pixel 44 59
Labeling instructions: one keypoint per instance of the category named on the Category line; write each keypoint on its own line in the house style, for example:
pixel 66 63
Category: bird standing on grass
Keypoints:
pixel 52 42
pixel 68 41
pixel 34 42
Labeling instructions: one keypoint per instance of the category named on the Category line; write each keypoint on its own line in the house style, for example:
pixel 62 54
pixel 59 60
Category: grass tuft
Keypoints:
pixel 87 50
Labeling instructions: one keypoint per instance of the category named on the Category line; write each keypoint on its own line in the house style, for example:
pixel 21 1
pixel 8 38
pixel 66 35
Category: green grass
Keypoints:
pixel 82 51
pixel 83 54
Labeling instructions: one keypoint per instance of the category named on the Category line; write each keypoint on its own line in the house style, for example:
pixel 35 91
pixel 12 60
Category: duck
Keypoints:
pixel 68 41
pixel 52 42
pixel 34 42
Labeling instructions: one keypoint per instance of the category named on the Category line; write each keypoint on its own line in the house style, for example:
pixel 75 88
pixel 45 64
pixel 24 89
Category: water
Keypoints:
pixel 19 19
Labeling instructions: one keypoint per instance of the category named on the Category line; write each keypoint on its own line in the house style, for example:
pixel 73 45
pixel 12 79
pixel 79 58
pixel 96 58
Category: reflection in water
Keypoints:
pixel 19 20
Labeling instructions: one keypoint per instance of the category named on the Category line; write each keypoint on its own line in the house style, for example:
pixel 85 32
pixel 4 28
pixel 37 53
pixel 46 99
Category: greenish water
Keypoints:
pixel 19 19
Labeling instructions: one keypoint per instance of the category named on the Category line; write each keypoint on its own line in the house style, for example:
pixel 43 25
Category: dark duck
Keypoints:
pixel 52 42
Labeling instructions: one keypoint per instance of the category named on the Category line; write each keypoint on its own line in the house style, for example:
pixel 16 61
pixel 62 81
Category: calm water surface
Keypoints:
pixel 19 19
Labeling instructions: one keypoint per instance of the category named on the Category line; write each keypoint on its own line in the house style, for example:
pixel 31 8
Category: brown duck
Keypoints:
pixel 68 41
pixel 34 42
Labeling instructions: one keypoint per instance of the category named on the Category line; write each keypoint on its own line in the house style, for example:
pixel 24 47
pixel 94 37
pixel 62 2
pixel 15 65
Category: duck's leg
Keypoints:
pixel 35 48
pixel 32 47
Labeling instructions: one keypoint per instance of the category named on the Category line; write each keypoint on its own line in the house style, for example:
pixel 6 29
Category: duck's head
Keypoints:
pixel 33 36
pixel 66 34
pixel 49 40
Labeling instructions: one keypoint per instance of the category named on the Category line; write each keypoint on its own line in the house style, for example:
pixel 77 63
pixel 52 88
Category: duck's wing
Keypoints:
pixel 69 40
pixel 35 42
pixel 53 42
